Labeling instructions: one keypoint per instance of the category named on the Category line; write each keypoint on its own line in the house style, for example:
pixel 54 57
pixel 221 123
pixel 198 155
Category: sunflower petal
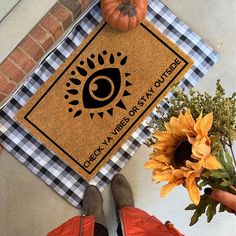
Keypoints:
pixel 165 175
pixel 198 122
pixel 187 172
pixel 203 125
pixel 211 163
pixel 192 188
pixel 153 164
pixel 178 174
pixel 162 135
pixel 163 146
pixel 150 164
pixel 165 190
pixel 189 123
pixel 161 157
pixel 175 126
pixel 191 139
pixel 195 165
pixel 200 148
pixel 207 122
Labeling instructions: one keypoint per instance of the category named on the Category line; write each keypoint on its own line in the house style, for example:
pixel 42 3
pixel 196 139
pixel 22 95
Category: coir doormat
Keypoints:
pixel 101 94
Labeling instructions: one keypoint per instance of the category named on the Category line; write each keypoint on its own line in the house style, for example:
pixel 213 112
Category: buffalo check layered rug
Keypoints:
pixel 44 160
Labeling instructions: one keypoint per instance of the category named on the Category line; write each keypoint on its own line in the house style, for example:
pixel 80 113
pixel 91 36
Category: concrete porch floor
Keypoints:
pixel 29 207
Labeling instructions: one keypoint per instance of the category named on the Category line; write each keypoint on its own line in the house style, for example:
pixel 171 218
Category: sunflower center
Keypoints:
pixel 182 153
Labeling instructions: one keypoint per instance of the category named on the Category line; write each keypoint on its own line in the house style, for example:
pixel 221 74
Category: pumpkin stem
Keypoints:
pixel 127 8
pixel 127 1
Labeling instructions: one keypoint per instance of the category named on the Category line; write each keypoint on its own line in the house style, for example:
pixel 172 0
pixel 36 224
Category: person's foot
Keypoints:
pixel 122 192
pixel 93 204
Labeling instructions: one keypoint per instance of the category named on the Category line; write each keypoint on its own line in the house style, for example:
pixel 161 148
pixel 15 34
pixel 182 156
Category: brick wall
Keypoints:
pixel 42 37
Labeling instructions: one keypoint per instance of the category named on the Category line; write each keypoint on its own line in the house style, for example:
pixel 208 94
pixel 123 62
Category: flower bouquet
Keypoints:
pixel 193 147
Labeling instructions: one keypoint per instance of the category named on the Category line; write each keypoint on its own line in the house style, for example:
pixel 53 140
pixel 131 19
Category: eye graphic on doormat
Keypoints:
pixel 97 83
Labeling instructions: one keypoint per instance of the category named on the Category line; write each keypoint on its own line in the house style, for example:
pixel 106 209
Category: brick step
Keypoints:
pixel 37 43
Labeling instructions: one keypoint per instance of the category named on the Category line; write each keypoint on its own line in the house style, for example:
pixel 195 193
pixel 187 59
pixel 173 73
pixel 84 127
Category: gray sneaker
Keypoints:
pixel 93 204
pixel 122 192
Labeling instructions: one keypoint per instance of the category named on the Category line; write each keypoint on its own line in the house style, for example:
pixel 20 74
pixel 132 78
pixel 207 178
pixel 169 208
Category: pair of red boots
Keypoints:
pixel 134 222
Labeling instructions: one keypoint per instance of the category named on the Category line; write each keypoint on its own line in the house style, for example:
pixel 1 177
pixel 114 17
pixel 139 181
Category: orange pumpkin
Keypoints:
pixel 124 15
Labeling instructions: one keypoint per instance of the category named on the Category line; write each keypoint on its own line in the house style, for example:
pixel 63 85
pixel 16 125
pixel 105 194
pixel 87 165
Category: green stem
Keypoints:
pixel 232 188
pixel 127 2
pixel 231 149
pixel 232 152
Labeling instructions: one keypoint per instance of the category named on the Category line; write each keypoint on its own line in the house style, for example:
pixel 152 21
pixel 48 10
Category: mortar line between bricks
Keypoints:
pixel 36 42
pixel 47 31
pixel 35 28
pixel 19 62
pixel 16 64
pixel 4 94
pixel 61 5
pixel 80 7
pixel 71 13
pixel 22 49
pixel 10 81
pixel 79 2
pixel 60 22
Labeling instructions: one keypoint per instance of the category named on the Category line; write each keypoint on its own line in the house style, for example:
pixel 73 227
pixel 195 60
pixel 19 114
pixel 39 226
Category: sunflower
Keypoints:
pixel 182 152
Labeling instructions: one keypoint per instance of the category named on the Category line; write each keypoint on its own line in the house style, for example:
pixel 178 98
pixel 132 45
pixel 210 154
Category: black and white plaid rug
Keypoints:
pixel 43 162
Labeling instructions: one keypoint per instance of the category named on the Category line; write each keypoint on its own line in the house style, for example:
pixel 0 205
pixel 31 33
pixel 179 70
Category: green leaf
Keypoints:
pixel 222 208
pixel 220 157
pixel 190 207
pixel 226 184
pixel 226 162
pixel 216 144
pixel 220 174
pixel 200 209
pixel 229 163
pixel 194 218
pixel 211 210
pixel 204 183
